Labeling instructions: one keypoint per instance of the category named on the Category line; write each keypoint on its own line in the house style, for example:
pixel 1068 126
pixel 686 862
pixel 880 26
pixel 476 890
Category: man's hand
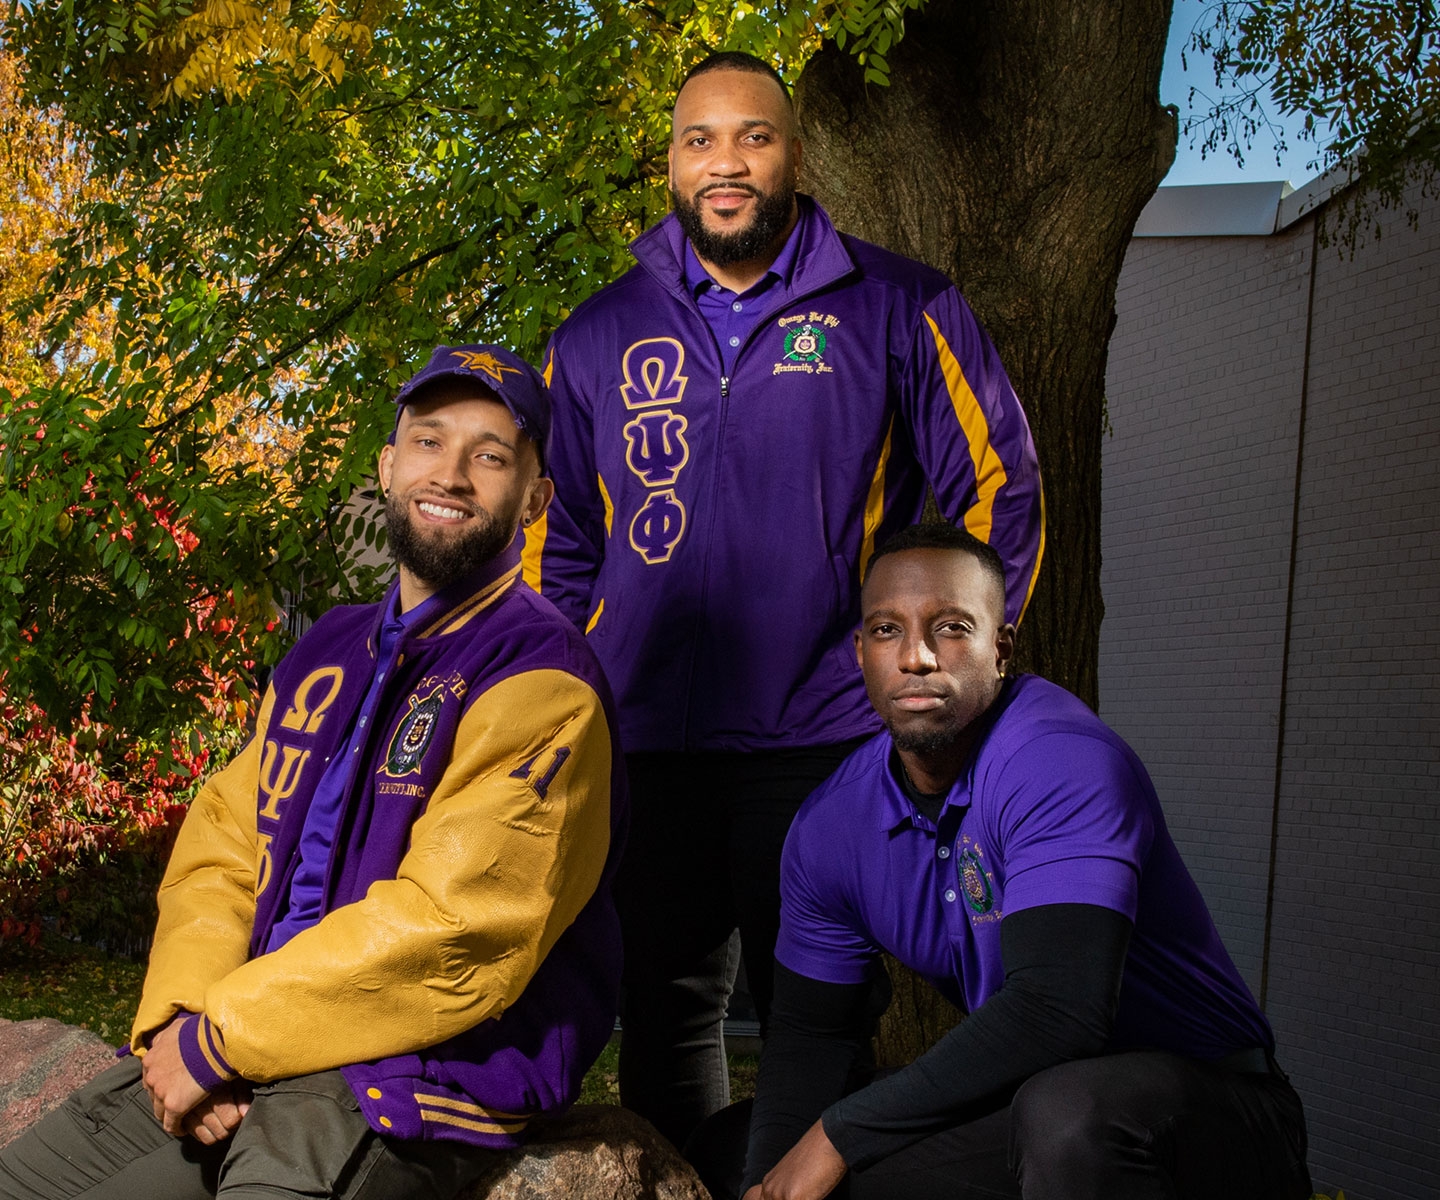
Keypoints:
pixel 810 1171
pixel 173 1090
pixel 218 1116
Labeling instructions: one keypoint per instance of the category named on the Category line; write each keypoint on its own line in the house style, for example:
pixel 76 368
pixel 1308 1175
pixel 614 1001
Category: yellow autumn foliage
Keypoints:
pixel 45 181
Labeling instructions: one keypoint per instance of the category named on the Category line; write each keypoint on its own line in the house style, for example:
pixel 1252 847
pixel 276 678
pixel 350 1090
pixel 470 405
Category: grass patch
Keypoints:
pixel 602 1083
pixel 71 983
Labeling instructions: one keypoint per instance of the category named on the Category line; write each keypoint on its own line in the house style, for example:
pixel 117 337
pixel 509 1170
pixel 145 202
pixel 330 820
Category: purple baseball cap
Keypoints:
pixel 513 381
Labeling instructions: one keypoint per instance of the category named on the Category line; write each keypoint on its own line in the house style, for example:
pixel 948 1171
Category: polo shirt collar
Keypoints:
pixel 895 808
pixel 818 256
pixel 698 280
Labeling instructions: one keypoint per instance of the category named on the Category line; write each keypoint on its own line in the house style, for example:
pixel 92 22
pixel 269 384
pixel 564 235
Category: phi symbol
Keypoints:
pixel 658 526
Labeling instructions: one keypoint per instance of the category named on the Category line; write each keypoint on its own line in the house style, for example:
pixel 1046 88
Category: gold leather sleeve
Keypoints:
pixel 508 851
pixel 207 897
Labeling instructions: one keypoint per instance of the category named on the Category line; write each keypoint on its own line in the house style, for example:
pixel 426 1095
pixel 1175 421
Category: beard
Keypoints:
pixel 927 742
pixel 444 556
pixel 772 214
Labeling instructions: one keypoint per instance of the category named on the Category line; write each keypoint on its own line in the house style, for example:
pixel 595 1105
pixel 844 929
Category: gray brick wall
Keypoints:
pixel 1206 384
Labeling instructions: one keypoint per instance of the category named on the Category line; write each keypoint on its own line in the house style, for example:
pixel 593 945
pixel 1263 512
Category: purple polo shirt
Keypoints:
pixel 732 316
pixel 1052 808
pixel 307 885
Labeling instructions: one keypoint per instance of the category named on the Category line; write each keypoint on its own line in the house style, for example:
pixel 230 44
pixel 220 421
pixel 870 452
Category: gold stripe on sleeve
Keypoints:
pixel 534 548
pixel 875 502
pixel 595 616
pixel 207 1050
pixel 465 1106
pixel 989 470
pixel 444 1118
pixel 1039 558
pixel 609 507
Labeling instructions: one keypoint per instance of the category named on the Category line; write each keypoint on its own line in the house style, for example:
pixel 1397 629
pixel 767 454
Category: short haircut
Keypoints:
pixel 941 535
pixel 736 60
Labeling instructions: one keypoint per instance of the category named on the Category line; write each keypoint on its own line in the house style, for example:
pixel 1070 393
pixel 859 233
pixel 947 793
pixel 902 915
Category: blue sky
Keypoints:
pixel 1175 84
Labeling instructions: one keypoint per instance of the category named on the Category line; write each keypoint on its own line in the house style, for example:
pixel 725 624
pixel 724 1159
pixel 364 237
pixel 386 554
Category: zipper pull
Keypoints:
pixel 724 386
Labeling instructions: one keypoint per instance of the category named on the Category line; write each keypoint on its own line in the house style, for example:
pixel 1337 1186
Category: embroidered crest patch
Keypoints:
pixel 413 735
pixel 979 897
pixel 806 344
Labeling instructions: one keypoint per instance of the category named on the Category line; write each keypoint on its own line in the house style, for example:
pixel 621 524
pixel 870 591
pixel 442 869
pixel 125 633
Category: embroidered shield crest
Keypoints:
pixel 412 736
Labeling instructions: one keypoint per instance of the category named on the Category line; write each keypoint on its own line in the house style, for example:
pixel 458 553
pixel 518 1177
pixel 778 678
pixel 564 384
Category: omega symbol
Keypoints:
pixel 652 373
pixel 301 716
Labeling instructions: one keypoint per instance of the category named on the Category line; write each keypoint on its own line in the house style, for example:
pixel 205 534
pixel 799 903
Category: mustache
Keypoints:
pixel 748 188
pixel 439 498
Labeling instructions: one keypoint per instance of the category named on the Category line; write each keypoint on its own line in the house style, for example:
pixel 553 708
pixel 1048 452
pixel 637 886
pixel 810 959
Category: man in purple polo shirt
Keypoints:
pixel 1007 845
pixel 739 420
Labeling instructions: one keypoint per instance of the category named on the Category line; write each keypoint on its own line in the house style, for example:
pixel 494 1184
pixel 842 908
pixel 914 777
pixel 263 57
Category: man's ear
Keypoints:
pixel 542 491
pixel 387 459
pixel 859 650
pixel 1004 647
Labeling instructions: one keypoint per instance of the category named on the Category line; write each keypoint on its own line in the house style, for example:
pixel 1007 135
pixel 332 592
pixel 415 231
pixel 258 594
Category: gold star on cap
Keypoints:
pixel 483 360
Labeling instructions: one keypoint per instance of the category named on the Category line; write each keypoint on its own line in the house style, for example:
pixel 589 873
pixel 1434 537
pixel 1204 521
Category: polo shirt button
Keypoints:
pixel 949 895
pixel 734 341
pixel 737 306
pixel 943 852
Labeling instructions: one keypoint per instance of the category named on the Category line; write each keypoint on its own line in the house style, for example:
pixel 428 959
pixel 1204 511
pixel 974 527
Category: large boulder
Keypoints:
pixel 42 1062
pixel 594 1152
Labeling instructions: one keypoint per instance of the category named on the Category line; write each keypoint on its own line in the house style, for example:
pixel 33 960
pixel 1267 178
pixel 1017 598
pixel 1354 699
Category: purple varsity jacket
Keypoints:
pixel 491 782
pixel 709 532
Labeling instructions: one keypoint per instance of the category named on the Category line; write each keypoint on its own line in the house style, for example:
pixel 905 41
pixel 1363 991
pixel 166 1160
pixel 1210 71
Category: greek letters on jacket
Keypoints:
pixel 692 495
pixel 313 701
pixel 466 909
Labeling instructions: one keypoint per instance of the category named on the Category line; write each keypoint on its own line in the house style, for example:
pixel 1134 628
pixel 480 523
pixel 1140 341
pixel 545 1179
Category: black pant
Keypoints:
pixel 702 860
pixel 302 1137
pixel 1135 1126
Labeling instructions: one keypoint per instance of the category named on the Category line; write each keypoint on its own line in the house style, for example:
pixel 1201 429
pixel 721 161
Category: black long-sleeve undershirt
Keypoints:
pixel 1063 964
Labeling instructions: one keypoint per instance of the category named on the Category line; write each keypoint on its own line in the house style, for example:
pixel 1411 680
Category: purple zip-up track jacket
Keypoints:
pixel 709 532
pixel 465 971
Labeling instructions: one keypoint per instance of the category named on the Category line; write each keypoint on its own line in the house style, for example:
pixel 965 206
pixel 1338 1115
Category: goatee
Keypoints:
pixel 443 556
pixel 927 741
pixel 767 223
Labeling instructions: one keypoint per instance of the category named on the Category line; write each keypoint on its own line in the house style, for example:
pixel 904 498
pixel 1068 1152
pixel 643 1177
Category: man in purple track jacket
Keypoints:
pixel 386 937
pixel 737 421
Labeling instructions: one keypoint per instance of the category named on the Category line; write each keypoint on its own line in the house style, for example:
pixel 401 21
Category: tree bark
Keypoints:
pixel 1014 149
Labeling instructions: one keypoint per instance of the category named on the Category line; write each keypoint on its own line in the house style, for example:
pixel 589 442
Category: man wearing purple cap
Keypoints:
pixel 386 938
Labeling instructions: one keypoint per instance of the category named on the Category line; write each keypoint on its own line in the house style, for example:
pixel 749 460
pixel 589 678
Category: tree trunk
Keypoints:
pixel 1013 150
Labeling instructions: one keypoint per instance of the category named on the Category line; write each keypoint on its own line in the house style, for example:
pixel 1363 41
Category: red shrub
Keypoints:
pixel 86 827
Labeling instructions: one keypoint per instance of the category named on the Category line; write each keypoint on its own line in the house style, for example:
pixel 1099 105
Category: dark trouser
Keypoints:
pixel 301 1137
pixel 702 860
pixel 1137 1126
